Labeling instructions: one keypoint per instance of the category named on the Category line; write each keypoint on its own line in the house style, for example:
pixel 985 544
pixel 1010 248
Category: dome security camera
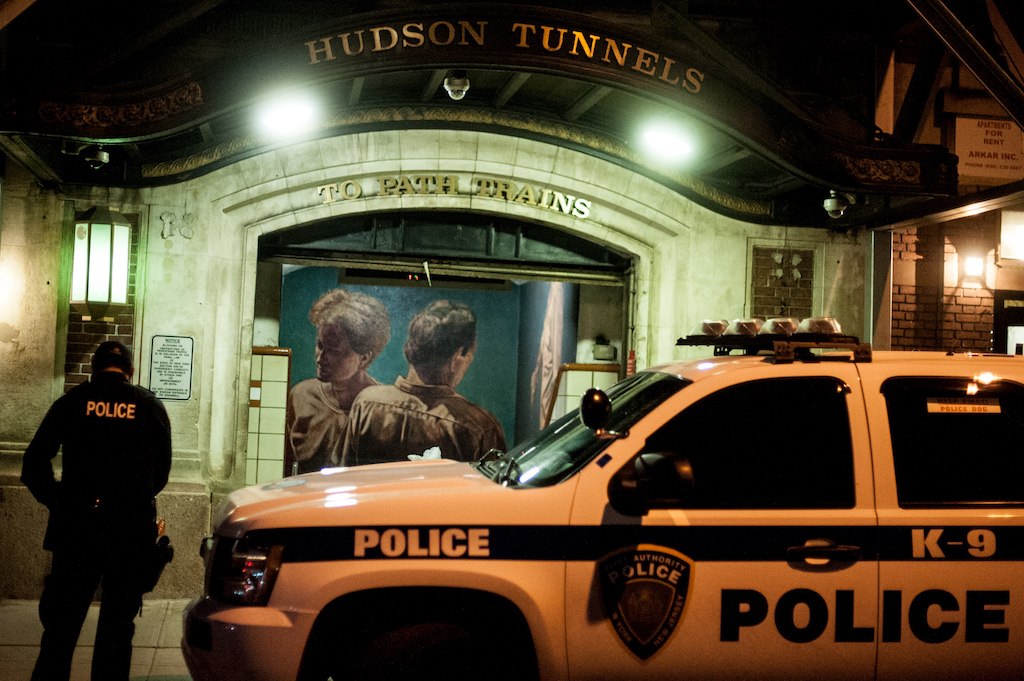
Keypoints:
pixel 835 205
pixel 95 157
pixel 457 85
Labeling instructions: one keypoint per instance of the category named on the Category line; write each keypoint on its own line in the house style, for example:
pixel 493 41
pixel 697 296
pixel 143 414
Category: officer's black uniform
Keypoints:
pixel 116 441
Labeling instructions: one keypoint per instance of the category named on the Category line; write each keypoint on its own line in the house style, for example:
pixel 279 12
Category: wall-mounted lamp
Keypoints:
pixel 974 271
pixel 99 269
pixel 973 275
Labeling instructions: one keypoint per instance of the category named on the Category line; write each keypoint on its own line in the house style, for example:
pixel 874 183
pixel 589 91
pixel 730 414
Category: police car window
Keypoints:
pixel 771 444
pixel 557 452
pixel 956 440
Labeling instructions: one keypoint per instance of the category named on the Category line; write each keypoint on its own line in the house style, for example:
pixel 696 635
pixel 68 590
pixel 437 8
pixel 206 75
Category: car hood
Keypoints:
pixel 338 496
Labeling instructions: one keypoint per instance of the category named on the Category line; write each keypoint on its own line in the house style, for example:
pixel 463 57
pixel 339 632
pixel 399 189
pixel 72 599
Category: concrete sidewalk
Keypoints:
pixel 156 654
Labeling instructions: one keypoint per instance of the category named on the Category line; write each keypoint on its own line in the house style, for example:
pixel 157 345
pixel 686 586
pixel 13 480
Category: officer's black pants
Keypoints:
pixel 69 589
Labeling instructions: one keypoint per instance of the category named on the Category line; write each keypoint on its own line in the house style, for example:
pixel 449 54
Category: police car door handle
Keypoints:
pixel 823 550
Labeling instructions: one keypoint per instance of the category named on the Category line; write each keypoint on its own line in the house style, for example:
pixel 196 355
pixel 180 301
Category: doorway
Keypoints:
pixel 544 299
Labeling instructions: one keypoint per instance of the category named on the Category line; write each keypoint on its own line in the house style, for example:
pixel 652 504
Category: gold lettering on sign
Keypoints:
pixel 386 38
pixel 434 33
pixel 547 39
pixel 348 48
pixel 478 38
pixel 580 41
pixel 413 35
pixel 315 52
pixel 392 36
pixel 349 189
pixel 645 61
pixel 566 42
pixel 487 187
pixel 523 28
pixel 448 185
pixel 625 55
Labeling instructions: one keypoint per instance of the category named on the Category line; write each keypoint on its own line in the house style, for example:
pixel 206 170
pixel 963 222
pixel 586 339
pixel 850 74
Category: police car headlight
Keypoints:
pixel 243 573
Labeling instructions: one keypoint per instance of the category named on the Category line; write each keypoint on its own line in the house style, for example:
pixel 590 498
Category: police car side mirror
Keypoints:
pixel 651 480
pixel 595 410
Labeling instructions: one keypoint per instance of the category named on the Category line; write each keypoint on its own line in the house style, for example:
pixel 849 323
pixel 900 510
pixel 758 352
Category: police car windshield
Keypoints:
pixel 557 452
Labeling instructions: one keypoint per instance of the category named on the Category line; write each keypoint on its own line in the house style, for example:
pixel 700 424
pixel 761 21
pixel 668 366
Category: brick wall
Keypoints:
pixel 84 336
pixel 927 314
pixel 782 282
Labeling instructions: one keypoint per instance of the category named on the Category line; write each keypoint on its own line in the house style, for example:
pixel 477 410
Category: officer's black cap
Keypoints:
pixel 112 354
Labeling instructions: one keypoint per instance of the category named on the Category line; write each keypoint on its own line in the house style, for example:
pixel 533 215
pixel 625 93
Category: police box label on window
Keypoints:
pixel 957 405
pixel 170 368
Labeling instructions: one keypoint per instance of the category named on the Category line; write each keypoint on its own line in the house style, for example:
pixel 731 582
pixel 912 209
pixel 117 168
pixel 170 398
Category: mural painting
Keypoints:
pixel 383 372
pixel 421 414
pixel 352 329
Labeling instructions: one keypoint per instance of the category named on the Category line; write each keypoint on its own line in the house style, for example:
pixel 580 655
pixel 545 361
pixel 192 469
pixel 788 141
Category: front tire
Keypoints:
pixel 428 651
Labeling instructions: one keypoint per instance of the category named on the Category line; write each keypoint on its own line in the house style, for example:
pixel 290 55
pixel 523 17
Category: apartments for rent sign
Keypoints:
pixel 989 148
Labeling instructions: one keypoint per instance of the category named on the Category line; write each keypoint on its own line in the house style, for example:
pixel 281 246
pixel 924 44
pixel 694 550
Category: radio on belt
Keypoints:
pixel 788 504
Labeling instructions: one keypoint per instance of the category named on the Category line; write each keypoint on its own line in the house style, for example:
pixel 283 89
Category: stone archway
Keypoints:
pixel 689 263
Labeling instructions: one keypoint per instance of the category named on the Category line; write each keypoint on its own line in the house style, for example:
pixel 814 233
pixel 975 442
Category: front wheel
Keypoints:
pixel 428 651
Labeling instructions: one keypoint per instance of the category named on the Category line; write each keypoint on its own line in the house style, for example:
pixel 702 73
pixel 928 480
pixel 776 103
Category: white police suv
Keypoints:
pixel 806 509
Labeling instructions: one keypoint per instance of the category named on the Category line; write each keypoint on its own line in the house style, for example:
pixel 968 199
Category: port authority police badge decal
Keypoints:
pixel 644 589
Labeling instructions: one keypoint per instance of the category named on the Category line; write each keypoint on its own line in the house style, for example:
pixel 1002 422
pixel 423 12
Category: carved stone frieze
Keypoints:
pixel 128 115
pixel 878 169
pixel 501 119
pixel 206 157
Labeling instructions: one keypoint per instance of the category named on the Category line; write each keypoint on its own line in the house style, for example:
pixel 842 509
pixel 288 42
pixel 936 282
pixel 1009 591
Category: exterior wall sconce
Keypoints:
pixel 974 272
pixel 99 270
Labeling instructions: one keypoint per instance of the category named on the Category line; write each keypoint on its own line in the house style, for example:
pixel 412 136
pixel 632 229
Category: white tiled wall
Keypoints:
pixel 574 383
pixel 265 451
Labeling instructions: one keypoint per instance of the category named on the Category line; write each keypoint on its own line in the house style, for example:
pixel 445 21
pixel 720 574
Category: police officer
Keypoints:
pixel 116 441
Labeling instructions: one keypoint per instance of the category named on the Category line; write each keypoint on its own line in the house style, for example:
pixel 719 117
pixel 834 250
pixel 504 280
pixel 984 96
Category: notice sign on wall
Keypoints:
pixel 989 148
pixel 170 369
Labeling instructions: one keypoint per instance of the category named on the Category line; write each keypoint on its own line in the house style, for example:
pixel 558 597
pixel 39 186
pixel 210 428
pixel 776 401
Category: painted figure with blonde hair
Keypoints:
pixel 351 331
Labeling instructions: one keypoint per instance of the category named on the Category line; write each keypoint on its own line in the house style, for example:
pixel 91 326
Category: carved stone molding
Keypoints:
pixel 500 119
pixel 129 115
pixel 878 170
pixel 205 157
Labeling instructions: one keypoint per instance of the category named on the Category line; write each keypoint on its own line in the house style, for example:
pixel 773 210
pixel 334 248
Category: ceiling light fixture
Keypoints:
pixel 287 117
pixel 667 143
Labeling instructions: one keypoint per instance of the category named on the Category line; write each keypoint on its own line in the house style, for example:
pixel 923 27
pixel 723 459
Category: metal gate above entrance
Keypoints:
pixel 451 243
